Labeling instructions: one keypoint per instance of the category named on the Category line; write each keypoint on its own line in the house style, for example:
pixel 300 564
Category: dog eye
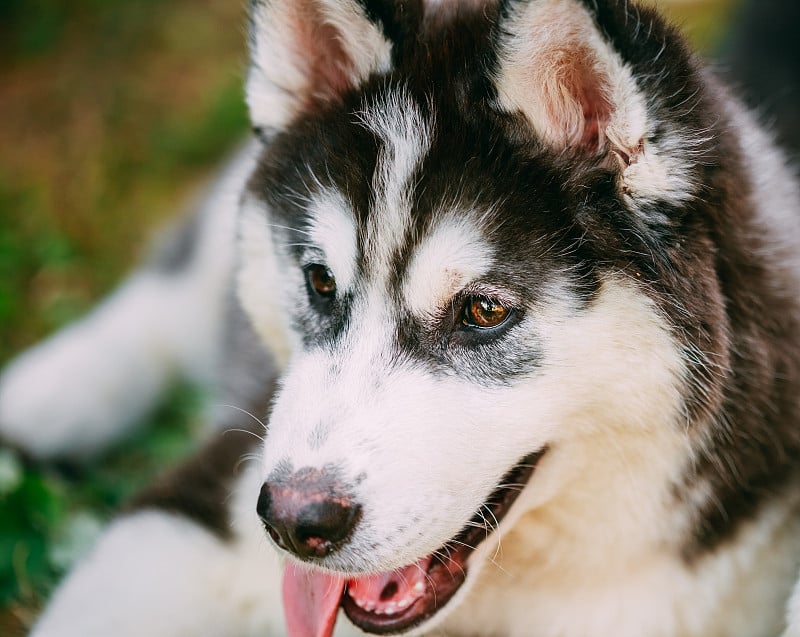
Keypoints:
pixel 483 312
pixel 321 280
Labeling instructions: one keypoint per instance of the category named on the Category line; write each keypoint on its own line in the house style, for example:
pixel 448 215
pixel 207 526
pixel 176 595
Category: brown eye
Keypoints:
pixel 480 311
pixel 321 280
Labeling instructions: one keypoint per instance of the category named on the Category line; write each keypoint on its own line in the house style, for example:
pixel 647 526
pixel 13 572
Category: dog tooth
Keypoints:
pixel 390 608
pixel 419 587
pixel 403 603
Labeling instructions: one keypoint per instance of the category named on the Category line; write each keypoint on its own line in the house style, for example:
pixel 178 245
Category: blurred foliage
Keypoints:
pixel 112 113
pixel 705 22
pixel 112 116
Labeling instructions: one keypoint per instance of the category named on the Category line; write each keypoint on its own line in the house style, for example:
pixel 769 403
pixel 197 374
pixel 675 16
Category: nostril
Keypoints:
pixel 264 501
pixel 322 525
pixel 309 517
pixel 270 520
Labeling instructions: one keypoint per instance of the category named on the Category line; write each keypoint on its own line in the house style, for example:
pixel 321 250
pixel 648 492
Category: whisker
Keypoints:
pixel 247 458
pixel 245 431
pixel 244 411
pixel 290 228
pixel 449 558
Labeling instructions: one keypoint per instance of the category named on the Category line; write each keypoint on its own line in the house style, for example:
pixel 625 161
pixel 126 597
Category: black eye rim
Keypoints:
pixel 464 322
pixel 313 269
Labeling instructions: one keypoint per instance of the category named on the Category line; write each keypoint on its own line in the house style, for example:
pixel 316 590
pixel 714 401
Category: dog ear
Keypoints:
pixel 558 70
pixel 610 80
pixel 307 52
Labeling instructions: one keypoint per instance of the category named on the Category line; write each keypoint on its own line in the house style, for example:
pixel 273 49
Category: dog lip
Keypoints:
pixel 444 578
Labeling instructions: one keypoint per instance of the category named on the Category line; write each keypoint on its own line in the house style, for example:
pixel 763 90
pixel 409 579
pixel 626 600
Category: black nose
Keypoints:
pixel 308 512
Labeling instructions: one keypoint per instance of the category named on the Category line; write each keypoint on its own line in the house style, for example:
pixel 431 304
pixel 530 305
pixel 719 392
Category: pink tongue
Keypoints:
pixel 310 601
pixel 311 597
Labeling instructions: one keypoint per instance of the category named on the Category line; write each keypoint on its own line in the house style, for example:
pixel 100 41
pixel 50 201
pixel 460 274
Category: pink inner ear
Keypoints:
pixel 581 109
pixel 560 72
pixel 318 48
pixel 596 114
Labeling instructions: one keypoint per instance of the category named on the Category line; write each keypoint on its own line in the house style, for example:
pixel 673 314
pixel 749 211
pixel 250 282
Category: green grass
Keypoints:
pixel 112 114
pixel 51 515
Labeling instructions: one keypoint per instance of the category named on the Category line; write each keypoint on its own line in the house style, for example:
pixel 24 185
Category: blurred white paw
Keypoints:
pixel 74 394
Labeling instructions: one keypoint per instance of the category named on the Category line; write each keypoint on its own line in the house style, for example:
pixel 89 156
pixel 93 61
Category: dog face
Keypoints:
pixel 470 218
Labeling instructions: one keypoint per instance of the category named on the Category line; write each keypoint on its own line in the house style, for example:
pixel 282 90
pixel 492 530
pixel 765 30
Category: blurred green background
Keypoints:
pixel 113 113
pixel 112 116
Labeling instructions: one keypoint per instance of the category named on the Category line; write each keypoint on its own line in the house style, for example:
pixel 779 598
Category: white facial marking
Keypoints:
pixel 402 426
pixel 333 231
pixel 453 255
pixel 261 285
pixel 406 136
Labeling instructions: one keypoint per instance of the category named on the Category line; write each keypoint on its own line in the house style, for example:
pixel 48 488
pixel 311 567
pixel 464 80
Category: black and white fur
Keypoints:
pixel 568 159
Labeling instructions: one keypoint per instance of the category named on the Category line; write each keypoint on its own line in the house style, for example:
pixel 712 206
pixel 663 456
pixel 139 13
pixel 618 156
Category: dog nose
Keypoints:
pixel 308 513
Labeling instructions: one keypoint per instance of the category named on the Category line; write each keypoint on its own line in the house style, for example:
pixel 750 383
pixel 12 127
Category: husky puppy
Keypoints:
pixel 531 276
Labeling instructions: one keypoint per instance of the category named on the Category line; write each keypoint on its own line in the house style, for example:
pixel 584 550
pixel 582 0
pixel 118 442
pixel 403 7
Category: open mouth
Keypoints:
pixel 397 601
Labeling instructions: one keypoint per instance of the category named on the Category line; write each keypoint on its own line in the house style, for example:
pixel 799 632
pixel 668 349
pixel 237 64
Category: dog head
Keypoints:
pixel 472 221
